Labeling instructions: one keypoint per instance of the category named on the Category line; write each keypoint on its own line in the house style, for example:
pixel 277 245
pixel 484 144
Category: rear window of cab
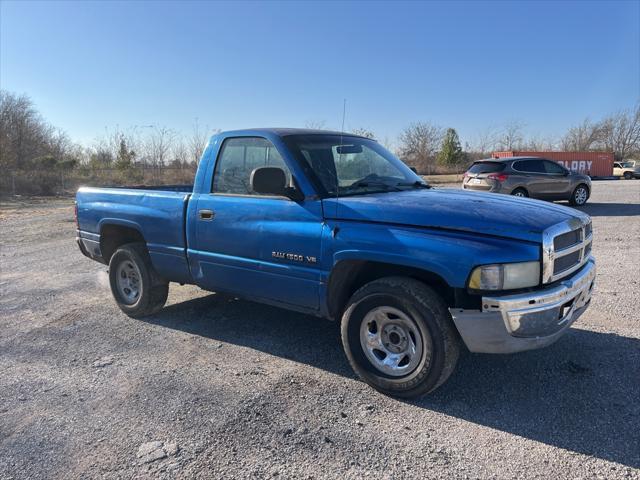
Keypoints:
pixel 486 167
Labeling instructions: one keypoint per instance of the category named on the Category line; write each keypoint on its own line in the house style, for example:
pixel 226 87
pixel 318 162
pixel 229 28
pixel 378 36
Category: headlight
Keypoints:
pixel 506 276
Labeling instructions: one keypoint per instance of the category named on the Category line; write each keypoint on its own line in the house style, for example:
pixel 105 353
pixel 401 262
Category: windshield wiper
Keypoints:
pixel 386 186
pixel 416 184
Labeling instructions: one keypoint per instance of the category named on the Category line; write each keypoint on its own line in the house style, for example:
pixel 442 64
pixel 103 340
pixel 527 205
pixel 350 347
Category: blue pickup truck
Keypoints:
pixel 334 225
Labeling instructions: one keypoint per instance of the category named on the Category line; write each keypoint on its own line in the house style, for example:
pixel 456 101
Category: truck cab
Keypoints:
pixel 334 225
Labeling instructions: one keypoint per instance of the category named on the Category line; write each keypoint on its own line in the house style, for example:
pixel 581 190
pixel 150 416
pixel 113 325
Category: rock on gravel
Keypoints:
pixel 102 362
pixel 171 448
pixel 295 409
pixel 151 451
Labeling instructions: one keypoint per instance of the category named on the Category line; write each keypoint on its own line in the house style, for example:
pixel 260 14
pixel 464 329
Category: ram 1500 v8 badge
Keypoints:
pixel 334 225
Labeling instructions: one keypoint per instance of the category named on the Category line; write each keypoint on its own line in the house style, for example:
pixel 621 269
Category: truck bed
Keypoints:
pixel 157 213
pixel 160 188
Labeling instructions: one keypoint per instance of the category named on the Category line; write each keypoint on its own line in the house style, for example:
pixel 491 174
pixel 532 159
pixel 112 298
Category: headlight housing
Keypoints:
pixel 505 276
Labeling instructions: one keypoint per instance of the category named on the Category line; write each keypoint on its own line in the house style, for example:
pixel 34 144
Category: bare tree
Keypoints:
pixel 621 132
pixel 179 154
pixel 388 143
pixel 419 143
pixel 512 136
pixel 197 142
pixel 116 141
pixel 159 144
pixel 363 132
pixel 24 135
pixel 539 143
pixel 582 137
pixel 485 142
pixel 315 124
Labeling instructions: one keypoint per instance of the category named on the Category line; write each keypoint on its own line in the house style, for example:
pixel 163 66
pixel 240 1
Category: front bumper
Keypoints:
pixel 526 321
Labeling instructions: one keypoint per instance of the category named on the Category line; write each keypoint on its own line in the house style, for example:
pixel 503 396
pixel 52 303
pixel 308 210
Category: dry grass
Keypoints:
pixel 446 178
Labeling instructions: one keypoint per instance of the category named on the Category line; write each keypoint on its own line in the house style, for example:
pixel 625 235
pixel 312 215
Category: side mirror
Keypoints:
pixel 268 180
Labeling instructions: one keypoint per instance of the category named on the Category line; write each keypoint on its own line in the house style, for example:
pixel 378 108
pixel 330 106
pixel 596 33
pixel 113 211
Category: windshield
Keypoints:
pixel 345 165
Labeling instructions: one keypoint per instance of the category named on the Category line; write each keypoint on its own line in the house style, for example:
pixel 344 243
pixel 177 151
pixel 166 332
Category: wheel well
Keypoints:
pixel 349 275
pixel 114 236
pixel 583 185
pixel 520 188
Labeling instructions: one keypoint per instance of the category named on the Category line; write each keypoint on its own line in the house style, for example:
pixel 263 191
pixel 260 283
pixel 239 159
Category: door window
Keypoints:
pixel 529 166
pixel 238 158
pixel 553 167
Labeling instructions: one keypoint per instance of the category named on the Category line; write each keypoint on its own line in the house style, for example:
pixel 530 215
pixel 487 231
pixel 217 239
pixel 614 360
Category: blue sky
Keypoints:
pixel 469 65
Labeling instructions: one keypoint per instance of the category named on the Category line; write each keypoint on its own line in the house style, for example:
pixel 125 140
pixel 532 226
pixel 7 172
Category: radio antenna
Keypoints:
pixel 344 114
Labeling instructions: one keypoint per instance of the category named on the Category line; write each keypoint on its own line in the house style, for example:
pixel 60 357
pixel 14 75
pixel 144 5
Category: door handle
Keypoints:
pixel 206 214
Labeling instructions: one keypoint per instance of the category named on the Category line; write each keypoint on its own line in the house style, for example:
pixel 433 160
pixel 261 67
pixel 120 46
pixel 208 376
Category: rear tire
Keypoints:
pixel 580 195
pixel 520 192
pixel 399 338
pixel 136 286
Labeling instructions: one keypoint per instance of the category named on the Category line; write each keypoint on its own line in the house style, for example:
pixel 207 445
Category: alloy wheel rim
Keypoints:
pixel 128 281
pixel 391 341
pixel 581 196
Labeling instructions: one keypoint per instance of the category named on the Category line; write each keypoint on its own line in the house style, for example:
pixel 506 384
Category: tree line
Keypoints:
pixel 429 147
pixel 28 143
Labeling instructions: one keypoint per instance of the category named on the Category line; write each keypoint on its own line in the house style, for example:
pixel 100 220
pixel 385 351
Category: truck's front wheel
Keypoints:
pixel 399 337
pixel 135 285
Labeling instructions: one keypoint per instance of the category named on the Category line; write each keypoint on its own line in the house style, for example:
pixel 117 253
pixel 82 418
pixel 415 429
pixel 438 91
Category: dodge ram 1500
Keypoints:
pixel 334 225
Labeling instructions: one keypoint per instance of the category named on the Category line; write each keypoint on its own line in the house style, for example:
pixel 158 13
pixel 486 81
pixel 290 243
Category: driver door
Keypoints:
pixel 257 246
pixel 557 184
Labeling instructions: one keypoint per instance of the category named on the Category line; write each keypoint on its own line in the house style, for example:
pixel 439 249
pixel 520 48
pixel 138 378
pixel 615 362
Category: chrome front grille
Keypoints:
pixel 568 239
pixel 565 248
pixel 565 263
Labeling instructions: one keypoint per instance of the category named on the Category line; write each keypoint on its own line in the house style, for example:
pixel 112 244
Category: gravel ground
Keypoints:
pixel 213 387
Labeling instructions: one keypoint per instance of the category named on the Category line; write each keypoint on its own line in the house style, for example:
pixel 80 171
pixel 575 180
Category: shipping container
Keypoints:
pixel 594 164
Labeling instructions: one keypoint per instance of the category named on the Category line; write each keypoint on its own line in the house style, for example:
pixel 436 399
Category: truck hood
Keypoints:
pixel 477 212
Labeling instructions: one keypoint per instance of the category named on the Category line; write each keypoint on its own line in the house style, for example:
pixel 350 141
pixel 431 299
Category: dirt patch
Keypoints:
pixel 213 387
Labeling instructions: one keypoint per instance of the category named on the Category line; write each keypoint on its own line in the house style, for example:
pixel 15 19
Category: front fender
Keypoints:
pixel 449 254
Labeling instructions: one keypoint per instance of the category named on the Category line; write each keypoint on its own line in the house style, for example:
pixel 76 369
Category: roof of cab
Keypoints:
pixel 286 132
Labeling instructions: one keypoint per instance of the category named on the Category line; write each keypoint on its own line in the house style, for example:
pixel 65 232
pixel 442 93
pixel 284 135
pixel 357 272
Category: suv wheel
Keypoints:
pixel 579 196
pixel 628 175
pixel 399 337
pixel 520 192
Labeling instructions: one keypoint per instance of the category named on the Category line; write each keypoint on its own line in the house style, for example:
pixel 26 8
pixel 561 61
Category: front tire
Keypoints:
pixel 628 175
pixel 579 196
pixel 399 338
pixel 135 285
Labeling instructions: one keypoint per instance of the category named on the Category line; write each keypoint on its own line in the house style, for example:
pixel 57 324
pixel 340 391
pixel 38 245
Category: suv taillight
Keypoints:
pixel 500 177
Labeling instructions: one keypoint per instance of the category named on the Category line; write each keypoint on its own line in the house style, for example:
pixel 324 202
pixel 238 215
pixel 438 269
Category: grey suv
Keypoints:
pixel 528 177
